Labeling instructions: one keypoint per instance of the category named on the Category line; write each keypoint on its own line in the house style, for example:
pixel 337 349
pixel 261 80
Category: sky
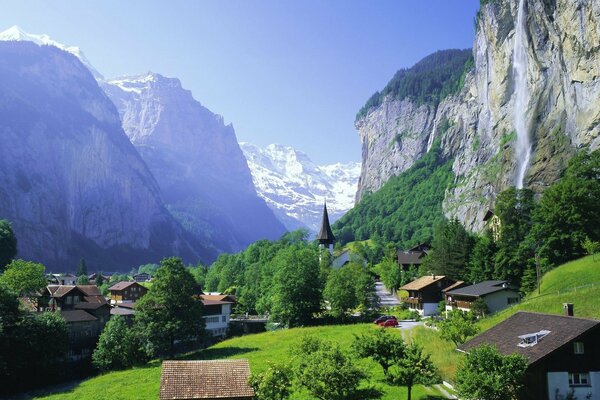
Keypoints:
pixel 293 72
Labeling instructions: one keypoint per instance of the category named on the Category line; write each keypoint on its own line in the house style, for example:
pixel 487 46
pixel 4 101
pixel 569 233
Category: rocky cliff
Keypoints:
pixel 71 183
pixel 476 124
pixel 196 160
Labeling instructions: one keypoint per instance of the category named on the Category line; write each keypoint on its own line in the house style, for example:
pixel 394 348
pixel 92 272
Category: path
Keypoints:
pixel 386 299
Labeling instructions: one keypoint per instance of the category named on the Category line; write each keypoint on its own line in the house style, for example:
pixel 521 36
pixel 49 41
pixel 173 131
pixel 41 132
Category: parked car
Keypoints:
pixel 383 318
pixel 389 322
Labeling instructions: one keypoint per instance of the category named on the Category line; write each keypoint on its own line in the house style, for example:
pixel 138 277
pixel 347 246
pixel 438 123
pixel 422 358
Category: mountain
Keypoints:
pixel 295 187
pixel 512 111
pixel 71 182
pixel 196 160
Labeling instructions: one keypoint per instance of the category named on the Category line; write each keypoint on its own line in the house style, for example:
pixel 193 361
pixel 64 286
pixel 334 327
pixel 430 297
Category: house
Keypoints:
pixel 143 277
pixel 61 279
pixel 92 278
pixel 125 309
pixel 425 293
pixel 126 292
pixel 85 310
pixel 563 352
pixel 497 295
pixel 207 380
pixel 217 312
pixel 413 256
pixel 345 258
pixel 493 223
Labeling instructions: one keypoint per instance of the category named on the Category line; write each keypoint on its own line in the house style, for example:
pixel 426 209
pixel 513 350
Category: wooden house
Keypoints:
pixel 497 295
pixel 562 352
pixel 425 293
pixel 207 380
pixel 412 257
pixel 126 292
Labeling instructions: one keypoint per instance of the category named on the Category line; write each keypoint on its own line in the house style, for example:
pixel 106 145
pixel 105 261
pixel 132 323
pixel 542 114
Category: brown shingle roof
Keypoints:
pixel 77 316
pixel 410 257
pixel 122 285
pixel 422 282
pixel 90 290
pixel 60 290
pixel 215 379
pixel 457 284
pixel 505 335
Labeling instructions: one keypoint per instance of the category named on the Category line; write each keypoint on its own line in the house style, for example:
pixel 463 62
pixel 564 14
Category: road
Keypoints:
pixel 386 299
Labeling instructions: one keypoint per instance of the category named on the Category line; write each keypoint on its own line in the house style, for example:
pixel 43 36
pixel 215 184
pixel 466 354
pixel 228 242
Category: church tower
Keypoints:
pixel 325 237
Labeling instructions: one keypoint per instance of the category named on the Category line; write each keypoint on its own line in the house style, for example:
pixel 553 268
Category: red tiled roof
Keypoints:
pixel 214 379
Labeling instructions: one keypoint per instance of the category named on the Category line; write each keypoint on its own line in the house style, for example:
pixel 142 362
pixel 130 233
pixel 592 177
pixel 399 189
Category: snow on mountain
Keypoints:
pixel 16 34
pixel 295 187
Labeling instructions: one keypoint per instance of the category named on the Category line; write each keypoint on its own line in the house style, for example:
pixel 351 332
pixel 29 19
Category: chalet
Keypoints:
pixel 85 310
pixel 425 293
pixel 122 292
pixel 412 257
pixel 61 279
pixel 563 353
pixel 143 277
pixel 497 295
pixel 93 278
pixel 207 380
pixel 493 223
pixel 217 312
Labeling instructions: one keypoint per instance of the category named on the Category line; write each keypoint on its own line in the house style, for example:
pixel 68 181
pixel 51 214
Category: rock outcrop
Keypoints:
pixel 196 160
pixel 476 124
pixel 71 182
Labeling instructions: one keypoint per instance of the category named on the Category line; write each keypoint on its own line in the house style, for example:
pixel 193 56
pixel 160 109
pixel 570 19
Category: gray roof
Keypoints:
pixel 325 235
pixel 481 288
pixel 411 257
pixel 505 335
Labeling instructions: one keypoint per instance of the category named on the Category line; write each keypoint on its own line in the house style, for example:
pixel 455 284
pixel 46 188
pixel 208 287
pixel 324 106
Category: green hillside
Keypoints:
pixel 259 349
pixel 576 282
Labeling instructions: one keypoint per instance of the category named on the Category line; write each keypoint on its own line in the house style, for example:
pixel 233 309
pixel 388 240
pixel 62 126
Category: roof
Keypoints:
pixel 90 290
pixel 420 247
pixel 77 316
pixel 325 235
pixel 121 311
pixel 211 379
pixel 422 282
pixel 216 299
pixel 410 257
pixel 482 288
pixel 123 285
pixel 90 306
pixel 458 284
pixel 489 214
pixel 59 290
pixel 506 335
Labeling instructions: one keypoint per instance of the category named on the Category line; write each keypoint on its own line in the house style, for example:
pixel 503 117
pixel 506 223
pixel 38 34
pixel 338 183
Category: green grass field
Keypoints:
pixel 259 349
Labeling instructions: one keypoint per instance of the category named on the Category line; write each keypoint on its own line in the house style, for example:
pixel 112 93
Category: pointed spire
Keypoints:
pixel 325 234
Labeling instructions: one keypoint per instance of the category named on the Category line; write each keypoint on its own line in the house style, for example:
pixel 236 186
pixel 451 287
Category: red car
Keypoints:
pixel 383 318
pixel 389 322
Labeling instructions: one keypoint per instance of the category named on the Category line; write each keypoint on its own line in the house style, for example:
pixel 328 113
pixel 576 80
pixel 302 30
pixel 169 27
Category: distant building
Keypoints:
pixel 85 310
pixel 207 380
pixel 93 278
pixel 425 293
pixel 61 279
pixel 217 312
pixel 493 223
pixel 345 258
pixel 413 256
pixel 325 237
pixel 143 277
pixel 563 353
pixel 497 295
pixel 126 292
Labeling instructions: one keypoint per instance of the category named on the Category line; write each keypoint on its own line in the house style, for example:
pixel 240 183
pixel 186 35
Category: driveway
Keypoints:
pixel 386 299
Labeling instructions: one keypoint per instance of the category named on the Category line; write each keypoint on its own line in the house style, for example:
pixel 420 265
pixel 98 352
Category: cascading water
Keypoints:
pixel 523 149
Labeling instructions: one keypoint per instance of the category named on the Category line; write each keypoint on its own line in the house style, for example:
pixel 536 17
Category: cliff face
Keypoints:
pixel 71 183
pixel 476 126
pixel 196 160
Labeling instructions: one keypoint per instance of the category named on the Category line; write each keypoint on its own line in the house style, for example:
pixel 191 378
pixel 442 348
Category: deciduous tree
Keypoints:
pixel 24 278
pixel 414 367
pixel 383 347
pixel 118 346
pixel 273 384
pixel 458 327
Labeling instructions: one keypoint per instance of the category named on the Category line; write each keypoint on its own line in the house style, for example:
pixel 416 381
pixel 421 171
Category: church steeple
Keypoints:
pixel 325 237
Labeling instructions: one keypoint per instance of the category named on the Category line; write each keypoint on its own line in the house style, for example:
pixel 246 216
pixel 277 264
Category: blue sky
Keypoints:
pixel 282 71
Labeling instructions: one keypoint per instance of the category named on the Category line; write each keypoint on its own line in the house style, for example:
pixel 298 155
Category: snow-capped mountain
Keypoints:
pixel 295 187
pixel 16 34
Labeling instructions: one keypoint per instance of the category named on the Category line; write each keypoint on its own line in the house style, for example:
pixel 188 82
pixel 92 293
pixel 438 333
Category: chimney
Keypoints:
pixel 568 309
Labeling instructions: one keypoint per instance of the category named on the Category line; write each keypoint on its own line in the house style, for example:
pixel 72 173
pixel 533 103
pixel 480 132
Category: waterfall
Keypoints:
pixel 523 148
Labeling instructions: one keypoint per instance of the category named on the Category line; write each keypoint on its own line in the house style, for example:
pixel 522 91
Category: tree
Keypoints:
pixel 99 279
pixel 327 373
pixel 591 248
pixel 82 268
pixel 82 280
pixel 414 367
pixel 529 280
pixel 25 278
pixel 381 346
pixel 479 308
pixel 458 327
pixel 297 290
pixel 118 346
pixel 168 312
pixel 452 247
pixel 487 374
pixel 8 243
pixel 348 288
pixel 481 263
pixel 390 273
pixel 274 383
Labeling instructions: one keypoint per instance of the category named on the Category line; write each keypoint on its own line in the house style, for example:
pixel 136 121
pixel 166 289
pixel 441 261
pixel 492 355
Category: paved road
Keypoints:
pixel 386 299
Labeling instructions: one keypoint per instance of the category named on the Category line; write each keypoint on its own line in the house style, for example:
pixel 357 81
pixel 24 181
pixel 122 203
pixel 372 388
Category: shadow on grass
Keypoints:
pixel 218 353
pixel 432 397
pixel 369 393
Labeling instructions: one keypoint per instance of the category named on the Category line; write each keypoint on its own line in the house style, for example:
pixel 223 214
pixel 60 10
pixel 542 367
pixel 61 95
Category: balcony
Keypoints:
pixel 414 301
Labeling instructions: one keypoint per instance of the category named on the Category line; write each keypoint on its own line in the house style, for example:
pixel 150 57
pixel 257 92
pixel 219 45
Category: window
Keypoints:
pixel 224 318
pixel 210 320
pixel 578 347
pixel 531 339
pixel 579 379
